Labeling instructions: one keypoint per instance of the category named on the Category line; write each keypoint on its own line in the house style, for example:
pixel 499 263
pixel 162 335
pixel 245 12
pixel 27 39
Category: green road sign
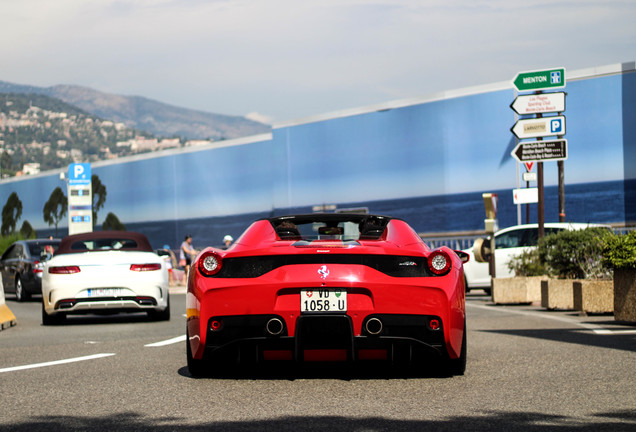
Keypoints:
pixel 540 80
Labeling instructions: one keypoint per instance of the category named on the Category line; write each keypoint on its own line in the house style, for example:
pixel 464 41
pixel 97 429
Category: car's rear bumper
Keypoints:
pixel 76 301
pixel 123 304
pixel 399 339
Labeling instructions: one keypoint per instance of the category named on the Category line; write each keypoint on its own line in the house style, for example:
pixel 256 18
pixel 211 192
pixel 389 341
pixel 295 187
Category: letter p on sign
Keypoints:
pixel 78 170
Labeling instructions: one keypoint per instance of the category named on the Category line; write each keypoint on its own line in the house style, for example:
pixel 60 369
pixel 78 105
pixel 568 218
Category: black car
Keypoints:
pixel 21 266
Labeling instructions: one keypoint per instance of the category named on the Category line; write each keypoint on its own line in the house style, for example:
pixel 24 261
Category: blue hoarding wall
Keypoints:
pixel 427 161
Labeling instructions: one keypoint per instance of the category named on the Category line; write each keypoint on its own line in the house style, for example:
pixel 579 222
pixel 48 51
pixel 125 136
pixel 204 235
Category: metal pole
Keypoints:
pixel 561 191
pixel 518 205
pixel 540 205
pixel 527 206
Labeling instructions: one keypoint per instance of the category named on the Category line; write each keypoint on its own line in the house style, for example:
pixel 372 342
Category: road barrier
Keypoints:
pixel 7 319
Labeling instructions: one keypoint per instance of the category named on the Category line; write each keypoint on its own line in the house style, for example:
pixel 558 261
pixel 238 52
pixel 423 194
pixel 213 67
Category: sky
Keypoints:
pixel 281 60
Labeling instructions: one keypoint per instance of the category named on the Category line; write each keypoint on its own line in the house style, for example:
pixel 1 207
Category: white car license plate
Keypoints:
pixel 323 300
pixel 104 292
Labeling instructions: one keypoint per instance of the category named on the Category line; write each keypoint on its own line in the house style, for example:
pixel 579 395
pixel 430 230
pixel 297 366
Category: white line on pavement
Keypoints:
pixel 57 362
pixel 596 329
pixel 168 342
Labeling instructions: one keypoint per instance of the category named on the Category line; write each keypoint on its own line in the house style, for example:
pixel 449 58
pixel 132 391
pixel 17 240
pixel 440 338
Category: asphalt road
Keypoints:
pixel 528 369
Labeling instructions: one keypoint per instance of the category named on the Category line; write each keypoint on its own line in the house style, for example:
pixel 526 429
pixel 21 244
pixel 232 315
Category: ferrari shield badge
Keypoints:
pixel 323 272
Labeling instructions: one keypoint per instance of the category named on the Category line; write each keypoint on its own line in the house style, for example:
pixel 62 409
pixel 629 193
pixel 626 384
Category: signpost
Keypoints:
pixel 540 80
pixel 539 127
pixel 80 199
pixel 539 151
pixel 539 103
pixel 525 196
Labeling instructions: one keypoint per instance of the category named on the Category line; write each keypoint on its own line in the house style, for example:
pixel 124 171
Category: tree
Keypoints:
pixel 112 223
pixel 55 208
pixel 99 194
pixel 27 230
pixel 11 213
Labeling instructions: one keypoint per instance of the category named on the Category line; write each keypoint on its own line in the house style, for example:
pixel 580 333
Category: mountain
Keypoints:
pixel 140 113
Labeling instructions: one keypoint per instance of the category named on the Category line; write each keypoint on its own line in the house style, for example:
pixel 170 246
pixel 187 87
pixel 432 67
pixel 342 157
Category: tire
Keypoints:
pixel 163 315
pixel 196 367
pixel 54 319
pixel 458 366
pixel 20 293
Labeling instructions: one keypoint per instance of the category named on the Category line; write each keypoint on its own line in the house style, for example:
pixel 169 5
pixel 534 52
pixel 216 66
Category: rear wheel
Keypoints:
pixel 195 366
pixel 163 315
pixel 458 366
pixel 20 293
pixel 52 319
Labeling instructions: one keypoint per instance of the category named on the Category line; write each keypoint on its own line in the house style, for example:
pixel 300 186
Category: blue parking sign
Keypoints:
pixel 79 174
pixel 556 126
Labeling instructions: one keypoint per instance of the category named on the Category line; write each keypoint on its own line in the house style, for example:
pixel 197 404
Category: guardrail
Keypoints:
pixel 456 240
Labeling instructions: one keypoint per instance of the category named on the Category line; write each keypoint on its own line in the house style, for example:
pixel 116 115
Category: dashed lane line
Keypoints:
pixel 174 340
pixel 56 362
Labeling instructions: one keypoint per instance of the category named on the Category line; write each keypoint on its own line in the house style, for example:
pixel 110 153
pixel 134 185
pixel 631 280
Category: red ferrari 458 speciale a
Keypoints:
pixel 327 287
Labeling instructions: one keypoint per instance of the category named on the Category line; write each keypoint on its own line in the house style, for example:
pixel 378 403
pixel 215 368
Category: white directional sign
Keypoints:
pixel 539 103
pixel 539 127
pixel 525 196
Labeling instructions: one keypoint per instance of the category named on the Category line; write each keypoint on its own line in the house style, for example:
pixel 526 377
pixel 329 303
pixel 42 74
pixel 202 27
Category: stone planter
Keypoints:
pixel 557 294
pixel 625 295
pixel 594 296
pixel 517 290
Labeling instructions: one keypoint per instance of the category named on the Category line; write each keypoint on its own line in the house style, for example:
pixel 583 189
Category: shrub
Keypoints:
pixel 620 251
pixel 567 255
pixel 528 264
pixel 575 254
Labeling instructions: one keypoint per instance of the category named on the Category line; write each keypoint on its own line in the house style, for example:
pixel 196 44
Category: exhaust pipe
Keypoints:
pixel 274 326
pixel 374 326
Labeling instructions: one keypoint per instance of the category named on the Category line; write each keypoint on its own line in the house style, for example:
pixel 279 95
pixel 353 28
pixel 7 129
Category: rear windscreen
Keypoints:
pixel 104 244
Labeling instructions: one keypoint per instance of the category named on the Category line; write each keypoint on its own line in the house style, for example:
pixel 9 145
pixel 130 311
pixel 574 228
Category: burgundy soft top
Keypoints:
pixel 104 240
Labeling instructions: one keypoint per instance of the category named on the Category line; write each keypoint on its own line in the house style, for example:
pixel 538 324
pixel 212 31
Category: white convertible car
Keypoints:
pixel 104 272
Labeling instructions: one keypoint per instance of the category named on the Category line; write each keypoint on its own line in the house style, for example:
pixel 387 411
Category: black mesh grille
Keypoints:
pixel 391 265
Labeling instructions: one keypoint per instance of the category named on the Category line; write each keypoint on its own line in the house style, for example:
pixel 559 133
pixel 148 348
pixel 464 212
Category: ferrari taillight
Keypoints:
pixel 439 262
pixel 64 269
pixel 210 263
pixel 145 267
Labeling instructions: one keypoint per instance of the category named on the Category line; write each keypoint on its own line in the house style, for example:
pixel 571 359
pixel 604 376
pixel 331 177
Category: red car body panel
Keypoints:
pixel 369 291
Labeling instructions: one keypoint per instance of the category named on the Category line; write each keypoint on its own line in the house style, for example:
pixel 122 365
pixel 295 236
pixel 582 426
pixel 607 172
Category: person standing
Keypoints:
pixel 227 240
pixel 186 254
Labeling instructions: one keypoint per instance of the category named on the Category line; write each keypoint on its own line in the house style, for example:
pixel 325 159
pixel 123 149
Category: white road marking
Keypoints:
pixel 57 362
pixel 168 342
pixel 592 327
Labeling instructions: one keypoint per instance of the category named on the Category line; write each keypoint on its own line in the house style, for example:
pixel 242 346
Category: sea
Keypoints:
pixel 599 202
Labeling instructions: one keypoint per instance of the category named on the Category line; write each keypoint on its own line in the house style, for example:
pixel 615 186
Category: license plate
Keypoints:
pixel 104 292
pixel 323 300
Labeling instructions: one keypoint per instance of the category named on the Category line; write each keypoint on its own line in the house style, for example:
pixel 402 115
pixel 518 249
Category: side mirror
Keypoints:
pixel 463 256
pixel 481 250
